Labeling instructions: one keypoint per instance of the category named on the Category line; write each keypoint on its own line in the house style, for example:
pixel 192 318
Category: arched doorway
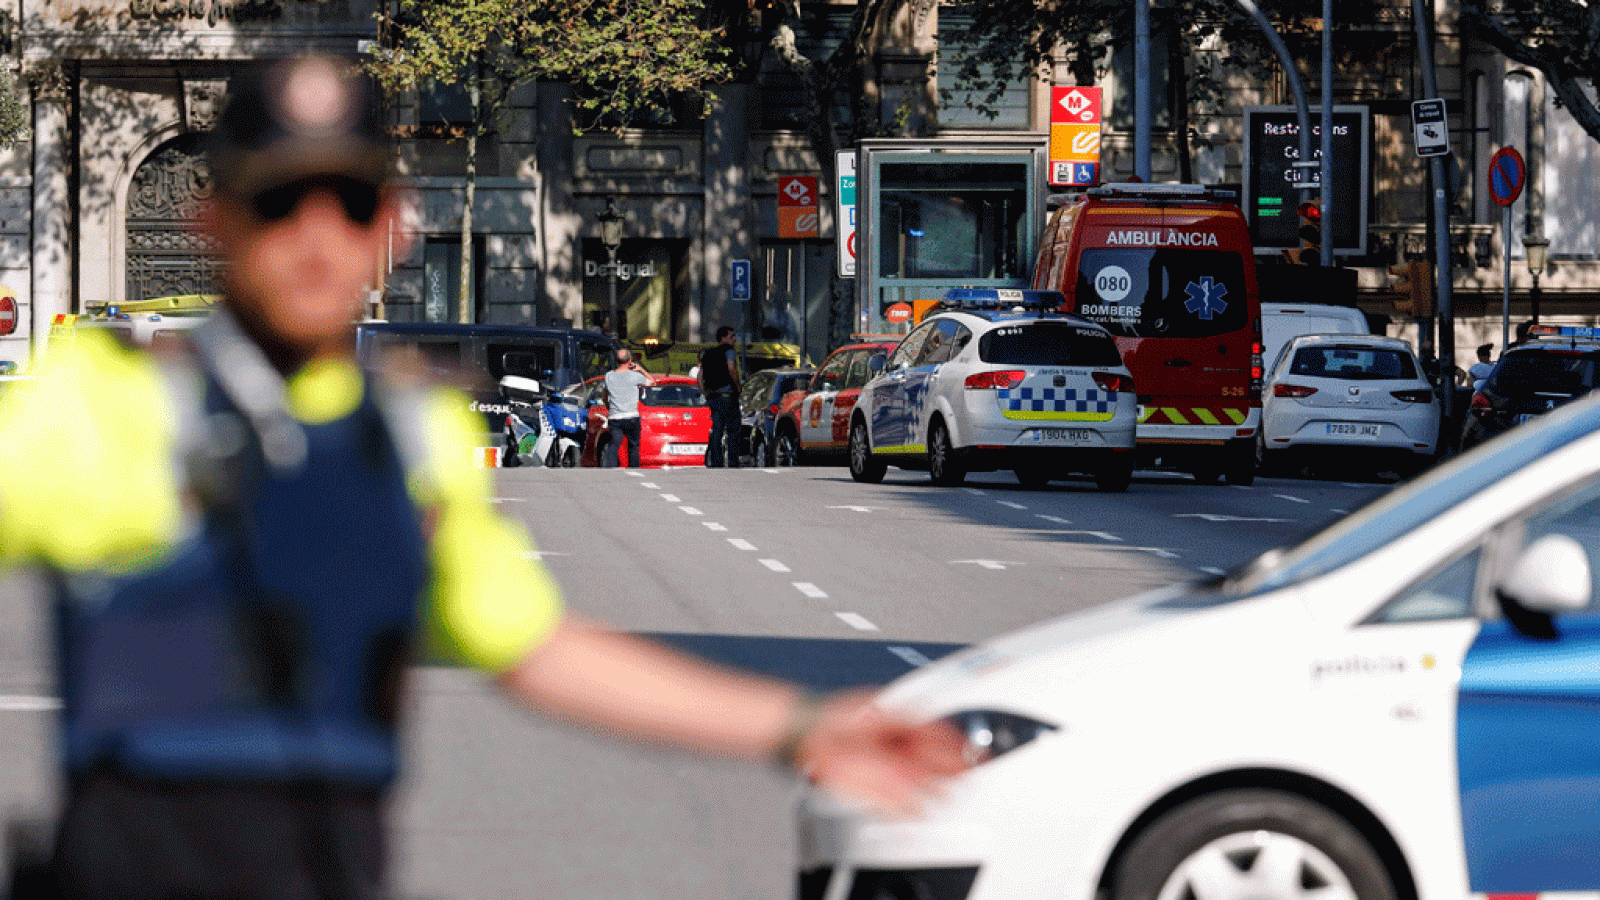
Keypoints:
pixel 167 254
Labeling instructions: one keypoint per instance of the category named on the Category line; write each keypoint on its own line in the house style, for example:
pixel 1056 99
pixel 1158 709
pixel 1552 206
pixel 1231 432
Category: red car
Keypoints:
pixel 675 421
pixel 816 421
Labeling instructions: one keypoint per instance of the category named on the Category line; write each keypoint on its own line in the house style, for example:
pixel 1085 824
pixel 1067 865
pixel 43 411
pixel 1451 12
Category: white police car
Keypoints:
pixel 997 379
pixel 1406 705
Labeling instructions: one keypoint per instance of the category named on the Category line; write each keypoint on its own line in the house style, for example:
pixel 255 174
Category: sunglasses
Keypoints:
pixel 358 198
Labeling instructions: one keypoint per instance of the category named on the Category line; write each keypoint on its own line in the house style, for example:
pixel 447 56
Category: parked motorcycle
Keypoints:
pixel 542 429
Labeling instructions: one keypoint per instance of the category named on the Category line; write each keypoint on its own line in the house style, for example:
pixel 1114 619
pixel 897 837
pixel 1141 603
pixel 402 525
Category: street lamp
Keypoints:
pixel 611 237
pixel 1538 252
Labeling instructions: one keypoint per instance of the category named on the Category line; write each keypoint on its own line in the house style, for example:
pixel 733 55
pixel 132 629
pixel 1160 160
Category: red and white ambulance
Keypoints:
pixel 1169 270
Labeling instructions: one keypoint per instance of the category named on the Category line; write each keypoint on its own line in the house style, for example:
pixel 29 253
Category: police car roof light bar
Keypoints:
pixel 1001 299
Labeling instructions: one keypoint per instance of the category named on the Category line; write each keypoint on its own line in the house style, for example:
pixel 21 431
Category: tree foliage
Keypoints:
pixel 623 56
pixel 1560 38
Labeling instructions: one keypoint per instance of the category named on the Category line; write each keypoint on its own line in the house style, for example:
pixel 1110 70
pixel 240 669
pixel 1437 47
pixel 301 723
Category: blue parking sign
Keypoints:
pixel 741 279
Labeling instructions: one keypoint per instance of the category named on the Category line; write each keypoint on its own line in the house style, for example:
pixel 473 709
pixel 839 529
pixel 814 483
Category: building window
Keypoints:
pixel 974 93
pixel 441 277
pixel 780 95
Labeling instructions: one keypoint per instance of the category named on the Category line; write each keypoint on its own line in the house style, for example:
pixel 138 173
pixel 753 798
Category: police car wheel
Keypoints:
pixel 1240 844
pixel 863 467
pixel 943 467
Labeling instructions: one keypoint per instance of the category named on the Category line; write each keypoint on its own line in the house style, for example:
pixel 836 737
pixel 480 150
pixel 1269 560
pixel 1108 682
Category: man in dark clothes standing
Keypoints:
pixel 719 381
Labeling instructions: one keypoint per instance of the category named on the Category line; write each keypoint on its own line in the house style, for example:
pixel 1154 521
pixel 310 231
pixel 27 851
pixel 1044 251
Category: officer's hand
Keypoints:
pixel 862 753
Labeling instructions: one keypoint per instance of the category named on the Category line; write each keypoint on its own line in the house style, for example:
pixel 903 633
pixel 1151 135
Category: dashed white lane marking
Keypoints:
pixel 742 544
pixel 996 564
pixel 23 703
pixel 650 485
pixel 1056 519
pixel 1012 505
pixel 1342 512
pixel 633 474
pixel 541 554
pixel 691 511
pixel 810 590
pixel 1291 498
pixel 910 655
pixel 856 621
pixel 714 526
pixel 1222 517
pixel 974 492
pixel 859 509
pixel 1158 551
pixel 1212 570
pixel 1099 534
pixel 670 498
pixel 774 565
pixel 508 500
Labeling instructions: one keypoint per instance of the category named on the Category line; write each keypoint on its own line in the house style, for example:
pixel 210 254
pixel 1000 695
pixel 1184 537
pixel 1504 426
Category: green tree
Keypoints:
pixel 622 57
pixel 1560 38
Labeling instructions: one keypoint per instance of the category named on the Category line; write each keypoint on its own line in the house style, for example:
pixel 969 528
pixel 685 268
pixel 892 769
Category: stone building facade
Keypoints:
pixel 96 204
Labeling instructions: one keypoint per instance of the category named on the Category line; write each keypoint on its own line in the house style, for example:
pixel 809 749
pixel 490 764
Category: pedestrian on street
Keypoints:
pixel 1479 373
pixel 625 385
pixel 237 599
pixel 719 381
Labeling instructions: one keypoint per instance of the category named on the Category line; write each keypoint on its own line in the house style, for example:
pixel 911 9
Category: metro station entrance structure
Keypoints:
pixel 939 215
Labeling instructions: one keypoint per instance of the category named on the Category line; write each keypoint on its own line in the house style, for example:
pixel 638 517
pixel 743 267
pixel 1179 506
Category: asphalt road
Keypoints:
pixel 800 573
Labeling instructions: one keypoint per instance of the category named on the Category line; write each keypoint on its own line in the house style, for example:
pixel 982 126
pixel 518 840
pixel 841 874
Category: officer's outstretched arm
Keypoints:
pixel 631 687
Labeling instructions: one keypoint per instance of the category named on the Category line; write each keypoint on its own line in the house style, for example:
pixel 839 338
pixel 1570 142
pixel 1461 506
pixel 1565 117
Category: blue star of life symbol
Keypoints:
pixel 1205 297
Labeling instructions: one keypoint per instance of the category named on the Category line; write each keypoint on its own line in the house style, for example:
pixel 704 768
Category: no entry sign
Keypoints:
pixel 8 313
pixel 1507 173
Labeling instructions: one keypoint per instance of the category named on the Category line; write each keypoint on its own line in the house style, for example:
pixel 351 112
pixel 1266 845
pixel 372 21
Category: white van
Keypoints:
pixel 1283 322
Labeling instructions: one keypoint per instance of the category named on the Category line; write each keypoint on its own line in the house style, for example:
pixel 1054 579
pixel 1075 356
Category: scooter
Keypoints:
pixel 541 428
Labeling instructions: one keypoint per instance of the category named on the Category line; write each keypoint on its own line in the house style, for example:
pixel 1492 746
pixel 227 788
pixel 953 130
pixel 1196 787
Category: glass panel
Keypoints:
pixel 1524 373
pixel 1162 293
pixel 1353 363
pixel 953 220
pixel 673 395
pixel 1048 344
pixel 1446 594
pixel 993 97
pixel 911 347
pixel 1575 514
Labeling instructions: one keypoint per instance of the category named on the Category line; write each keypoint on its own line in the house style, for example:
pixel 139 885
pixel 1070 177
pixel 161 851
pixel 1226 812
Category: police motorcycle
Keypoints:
pixel 543 428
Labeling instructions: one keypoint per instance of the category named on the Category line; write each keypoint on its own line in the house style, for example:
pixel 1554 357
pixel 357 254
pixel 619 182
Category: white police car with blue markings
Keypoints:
pixel 997 379
pixel 1405 706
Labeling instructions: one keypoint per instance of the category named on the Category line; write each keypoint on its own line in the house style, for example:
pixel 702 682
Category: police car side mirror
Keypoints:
pixel 1549 577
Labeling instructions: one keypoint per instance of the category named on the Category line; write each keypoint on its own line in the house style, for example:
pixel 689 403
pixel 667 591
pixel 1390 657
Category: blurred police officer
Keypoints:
pixel 239 595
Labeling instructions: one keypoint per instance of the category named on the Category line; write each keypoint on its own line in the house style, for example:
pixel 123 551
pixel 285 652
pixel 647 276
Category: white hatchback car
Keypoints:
pixel 1406 705
pixel 997 379
pixel 1361 394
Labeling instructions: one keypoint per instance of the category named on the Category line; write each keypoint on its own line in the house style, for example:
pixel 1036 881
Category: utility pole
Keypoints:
pixel 1422 20
pixel 1142 119
pixel 1326 179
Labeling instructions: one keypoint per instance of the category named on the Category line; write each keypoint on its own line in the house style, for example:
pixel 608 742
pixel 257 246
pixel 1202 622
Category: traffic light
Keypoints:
pixel 1413 286
pixel 1310 234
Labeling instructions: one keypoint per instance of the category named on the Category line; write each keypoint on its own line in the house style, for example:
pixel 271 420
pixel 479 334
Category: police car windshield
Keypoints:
pixel 1047 343
pixel 1172 293
pixel 1392 515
